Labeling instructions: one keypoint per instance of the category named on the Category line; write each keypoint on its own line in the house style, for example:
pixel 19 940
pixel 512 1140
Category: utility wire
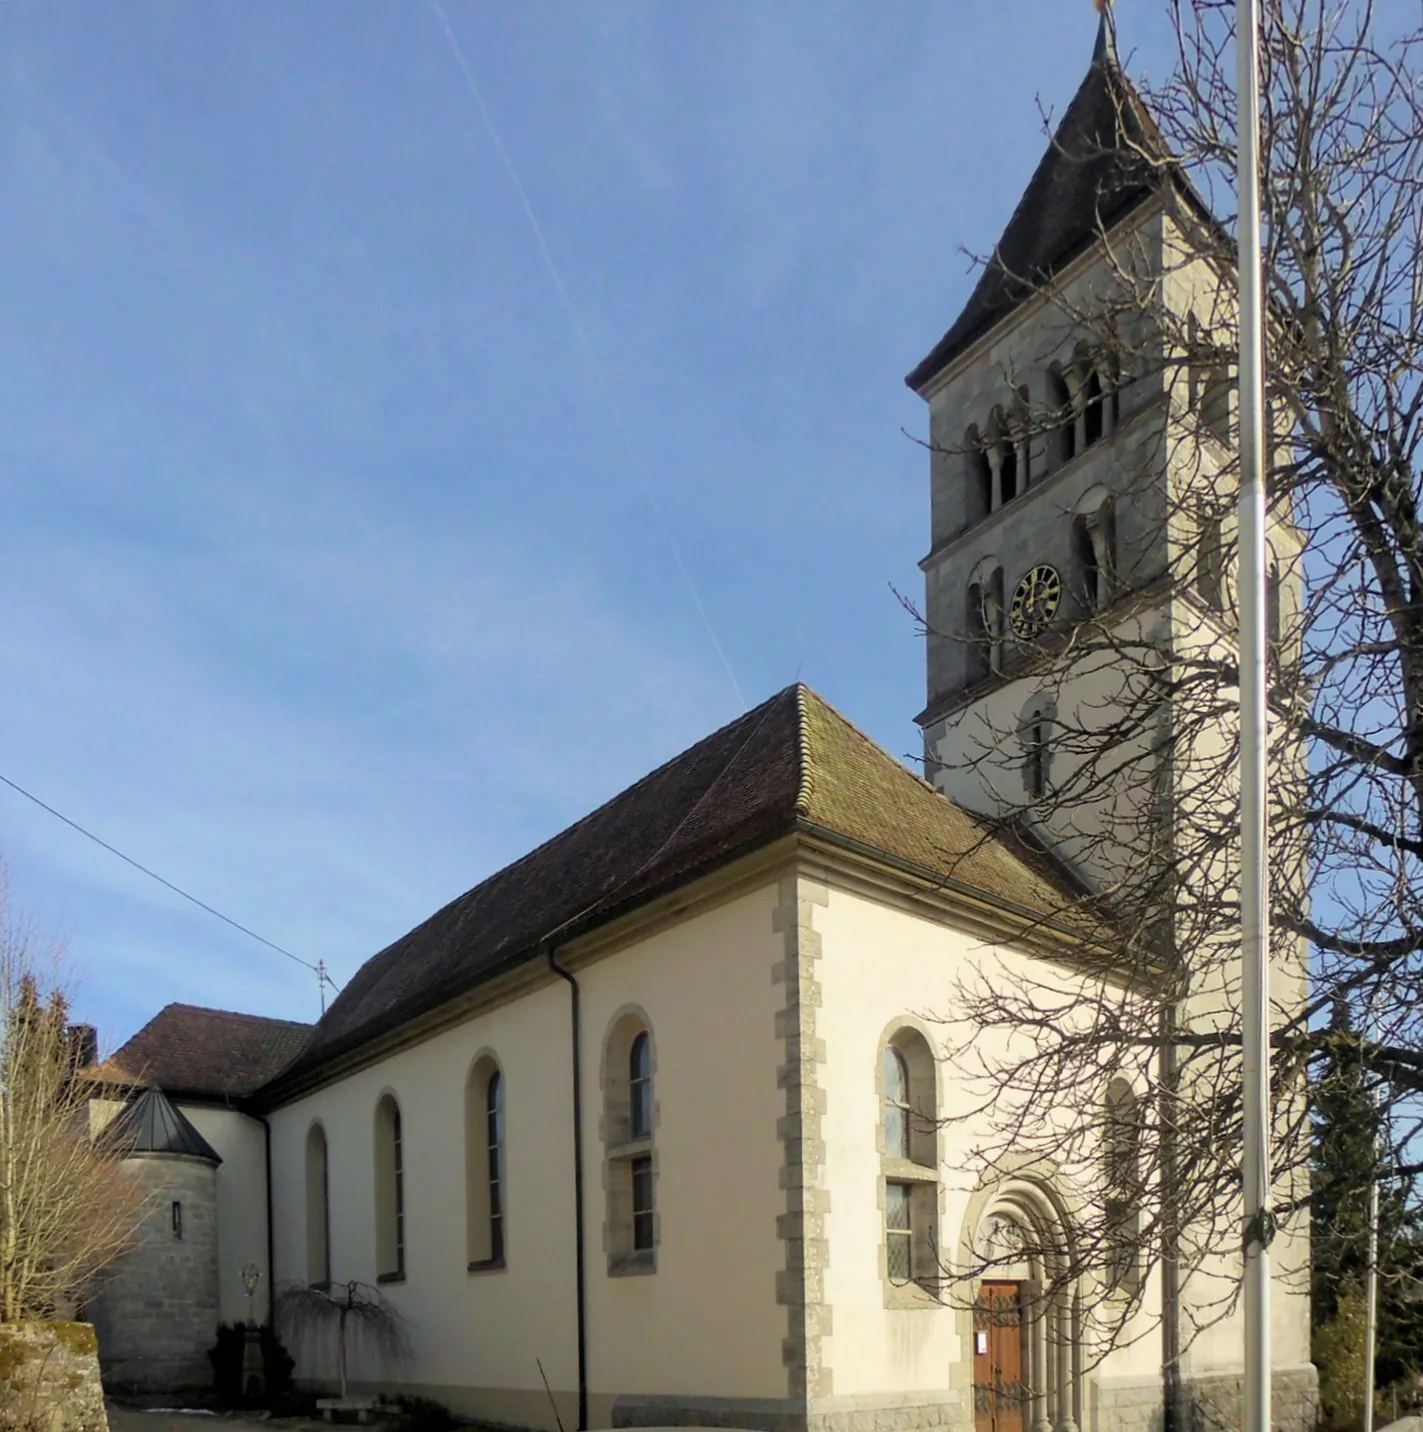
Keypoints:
pixel 581 333
pixel 318 969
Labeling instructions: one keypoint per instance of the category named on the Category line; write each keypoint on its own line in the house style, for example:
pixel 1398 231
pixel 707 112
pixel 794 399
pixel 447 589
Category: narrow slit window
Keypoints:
pixel 398 1143
pixel 177 1214
pixel 642 1211
pixel 494 1122
pixel 640 1086
pixel 896 1105
pixel 898 1232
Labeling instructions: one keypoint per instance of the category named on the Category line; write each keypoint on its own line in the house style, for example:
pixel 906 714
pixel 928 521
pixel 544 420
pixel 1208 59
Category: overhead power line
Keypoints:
pixel 318 969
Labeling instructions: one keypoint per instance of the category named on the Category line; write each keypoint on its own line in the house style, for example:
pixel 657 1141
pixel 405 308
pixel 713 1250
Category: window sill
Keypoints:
pixel 633 1265
pixel 486 1265
pixel 907 1171
pixel 391 1277
pixel 912 1297
pixel 633 1148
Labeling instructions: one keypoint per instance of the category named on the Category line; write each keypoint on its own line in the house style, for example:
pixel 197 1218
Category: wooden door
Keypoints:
pixel 1000 1388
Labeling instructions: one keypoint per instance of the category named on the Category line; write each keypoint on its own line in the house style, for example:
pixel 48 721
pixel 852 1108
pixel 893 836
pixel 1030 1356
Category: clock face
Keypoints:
pixel 1035 601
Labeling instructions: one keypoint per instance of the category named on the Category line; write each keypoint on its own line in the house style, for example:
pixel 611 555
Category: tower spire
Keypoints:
pixel 1106 47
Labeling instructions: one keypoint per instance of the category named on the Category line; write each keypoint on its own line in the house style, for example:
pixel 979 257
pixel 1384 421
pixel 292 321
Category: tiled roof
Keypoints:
pixel 149 1124
pixel 1093 175
pixel 792 762
pixel 185 1049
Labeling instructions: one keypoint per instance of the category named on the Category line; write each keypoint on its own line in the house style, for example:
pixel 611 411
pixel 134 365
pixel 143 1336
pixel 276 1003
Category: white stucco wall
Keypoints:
pixel 706 1321
pixel 240 1141
pixel 883 966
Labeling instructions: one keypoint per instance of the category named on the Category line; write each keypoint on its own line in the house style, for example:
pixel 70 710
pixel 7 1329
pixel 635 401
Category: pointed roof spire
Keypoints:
pixel 1106 46
pixel 151 1124
pixel 1095 172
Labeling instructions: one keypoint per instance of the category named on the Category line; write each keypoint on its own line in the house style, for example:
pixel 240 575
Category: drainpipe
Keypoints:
pixel 271 1237
pixel 575 1027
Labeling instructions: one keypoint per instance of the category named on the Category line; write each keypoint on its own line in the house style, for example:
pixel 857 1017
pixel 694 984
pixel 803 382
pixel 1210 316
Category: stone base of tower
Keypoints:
pixel 1216 1403
pixel 1212 1403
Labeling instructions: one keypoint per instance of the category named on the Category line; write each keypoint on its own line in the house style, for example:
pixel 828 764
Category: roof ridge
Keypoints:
pixel 232 1014
pixel 805 787
pixel 612 800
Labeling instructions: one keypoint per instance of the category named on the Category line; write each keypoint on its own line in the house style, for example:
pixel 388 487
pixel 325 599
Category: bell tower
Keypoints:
pixel 1078 576
pixel 1041 518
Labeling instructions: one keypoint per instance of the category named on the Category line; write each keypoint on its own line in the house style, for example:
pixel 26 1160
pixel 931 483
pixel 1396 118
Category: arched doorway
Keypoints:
pixel 1025 1321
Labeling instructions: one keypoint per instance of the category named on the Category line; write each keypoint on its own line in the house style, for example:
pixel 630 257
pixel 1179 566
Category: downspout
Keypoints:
pixel 575 1027
pixel 271 1237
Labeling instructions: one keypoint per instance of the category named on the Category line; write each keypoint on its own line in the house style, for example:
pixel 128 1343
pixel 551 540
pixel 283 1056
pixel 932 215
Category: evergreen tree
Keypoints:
pixel 1349 1118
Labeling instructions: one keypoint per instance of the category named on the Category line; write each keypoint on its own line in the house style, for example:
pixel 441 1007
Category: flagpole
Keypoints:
pixel 1254 889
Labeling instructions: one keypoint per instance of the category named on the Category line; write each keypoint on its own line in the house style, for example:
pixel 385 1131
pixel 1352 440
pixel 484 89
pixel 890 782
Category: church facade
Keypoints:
pixel 654 1127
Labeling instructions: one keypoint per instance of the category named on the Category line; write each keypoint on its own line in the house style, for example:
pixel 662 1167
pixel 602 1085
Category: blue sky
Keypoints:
pixel 336 570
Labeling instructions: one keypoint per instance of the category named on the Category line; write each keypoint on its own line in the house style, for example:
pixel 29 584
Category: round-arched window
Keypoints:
pixel 640 1085
pixel 896 1104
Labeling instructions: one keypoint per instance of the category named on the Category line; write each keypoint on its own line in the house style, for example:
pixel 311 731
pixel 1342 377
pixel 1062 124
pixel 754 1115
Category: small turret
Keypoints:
pixel 157 1316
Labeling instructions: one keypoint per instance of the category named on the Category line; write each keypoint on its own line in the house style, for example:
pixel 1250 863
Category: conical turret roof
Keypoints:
pixel 1104 161
pixel 151 1124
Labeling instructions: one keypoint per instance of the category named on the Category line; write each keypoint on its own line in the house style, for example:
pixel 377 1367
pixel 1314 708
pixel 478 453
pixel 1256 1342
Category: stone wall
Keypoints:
pixel 157 1316
pixel 1217 1402
pixel 49 1378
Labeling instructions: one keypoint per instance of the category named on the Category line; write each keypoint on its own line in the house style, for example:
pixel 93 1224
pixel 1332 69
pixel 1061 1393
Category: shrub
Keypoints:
pixel 226 1358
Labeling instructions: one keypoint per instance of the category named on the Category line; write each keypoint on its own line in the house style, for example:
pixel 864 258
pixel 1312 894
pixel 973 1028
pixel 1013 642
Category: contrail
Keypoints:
pixel 584 341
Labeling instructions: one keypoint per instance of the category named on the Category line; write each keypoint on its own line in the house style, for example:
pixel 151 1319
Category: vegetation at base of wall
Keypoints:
pixel 226 1357
pixel 407 1413
pixel 355 1317
pixel 1337 1350
pixel 1352 1149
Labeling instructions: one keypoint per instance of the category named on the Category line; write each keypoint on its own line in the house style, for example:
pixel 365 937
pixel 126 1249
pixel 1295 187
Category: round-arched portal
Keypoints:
pixel 1026 1368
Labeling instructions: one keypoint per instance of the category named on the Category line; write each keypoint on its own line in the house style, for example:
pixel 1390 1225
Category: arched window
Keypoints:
pixel 1121 1176
pixel 1093 413
pixel 630 1116
pixel 1210 563
pixel 896 1103
pixel 486 1198
pixel 1094 540
pixel 1035 732
pixel 985 620
pixel 909 1165
pixel 1007 469
pixel 390 1191
pixel 1066 416
pixel 1274 614
pixel 640 1086
pixel 318 1208
pixel 983 477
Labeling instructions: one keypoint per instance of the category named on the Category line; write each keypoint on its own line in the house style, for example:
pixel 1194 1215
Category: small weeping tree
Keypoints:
pixel 66 1215
pixel 354 1316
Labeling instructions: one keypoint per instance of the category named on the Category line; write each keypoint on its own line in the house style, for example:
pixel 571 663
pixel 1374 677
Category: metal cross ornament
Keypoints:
pixel 251 1276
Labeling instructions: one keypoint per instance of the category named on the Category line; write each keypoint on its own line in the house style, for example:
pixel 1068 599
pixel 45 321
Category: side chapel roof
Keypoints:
pixel 149 1124
pixel 208 1053
pixel 792 763
pixel 1101 164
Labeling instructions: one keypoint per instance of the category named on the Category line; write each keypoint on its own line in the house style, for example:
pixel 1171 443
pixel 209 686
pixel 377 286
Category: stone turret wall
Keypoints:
pixel 157 1316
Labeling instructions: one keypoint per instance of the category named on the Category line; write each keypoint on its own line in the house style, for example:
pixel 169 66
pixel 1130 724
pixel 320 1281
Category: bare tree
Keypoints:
pixel 65 1213
pixel 355 1316
pixel 1119 1066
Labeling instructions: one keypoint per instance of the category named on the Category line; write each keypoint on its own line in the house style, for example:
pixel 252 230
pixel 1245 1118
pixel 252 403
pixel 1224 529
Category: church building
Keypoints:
pixel 653 1127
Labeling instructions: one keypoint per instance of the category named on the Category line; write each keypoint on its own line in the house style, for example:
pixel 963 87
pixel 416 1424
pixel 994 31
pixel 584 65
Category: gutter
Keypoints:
pixel 575 1030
